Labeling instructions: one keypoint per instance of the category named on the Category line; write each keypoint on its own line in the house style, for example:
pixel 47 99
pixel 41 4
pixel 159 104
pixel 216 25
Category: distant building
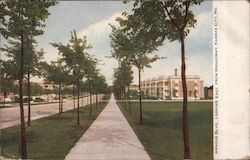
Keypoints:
pixel 210 91
pixel 170 87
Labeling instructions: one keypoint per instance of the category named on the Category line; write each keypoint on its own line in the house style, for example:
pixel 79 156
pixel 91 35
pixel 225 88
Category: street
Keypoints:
pixel 11 116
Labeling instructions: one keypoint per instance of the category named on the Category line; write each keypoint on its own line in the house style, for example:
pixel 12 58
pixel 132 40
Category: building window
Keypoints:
pixel 190 93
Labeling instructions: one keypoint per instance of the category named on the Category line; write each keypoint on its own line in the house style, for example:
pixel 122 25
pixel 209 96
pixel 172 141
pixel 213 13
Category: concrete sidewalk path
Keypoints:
pixel 109 138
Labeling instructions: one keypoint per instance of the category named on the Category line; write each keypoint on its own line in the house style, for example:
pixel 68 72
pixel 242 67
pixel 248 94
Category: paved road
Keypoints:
pixel 11 116
pixel 109 138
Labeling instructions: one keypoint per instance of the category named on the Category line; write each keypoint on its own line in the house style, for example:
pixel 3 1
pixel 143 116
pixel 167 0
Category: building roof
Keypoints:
pixel 211 87
pixel 170 77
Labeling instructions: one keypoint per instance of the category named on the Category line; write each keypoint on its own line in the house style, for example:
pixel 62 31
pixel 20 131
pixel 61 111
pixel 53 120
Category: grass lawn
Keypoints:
pixel 48 138
pixel 161 133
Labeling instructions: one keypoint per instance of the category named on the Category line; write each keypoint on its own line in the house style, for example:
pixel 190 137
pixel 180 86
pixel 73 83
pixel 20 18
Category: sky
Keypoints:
pixel 92 18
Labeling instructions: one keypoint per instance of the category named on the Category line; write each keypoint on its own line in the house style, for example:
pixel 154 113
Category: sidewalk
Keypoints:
pixel 109 138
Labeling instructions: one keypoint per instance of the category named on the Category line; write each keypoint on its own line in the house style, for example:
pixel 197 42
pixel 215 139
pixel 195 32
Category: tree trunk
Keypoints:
pixel 96 101
pixel 121 98
pixel 82 98
pixel 62 101
pixel 4 95
pixel 185 109
pixel 125 99
pixel 139 72
pixel 59 98
pixel 28 97
pixel 129 100
pixel 87 99
pixel 78 105
pixel 90 111
pixel 74 105
pixel 23 131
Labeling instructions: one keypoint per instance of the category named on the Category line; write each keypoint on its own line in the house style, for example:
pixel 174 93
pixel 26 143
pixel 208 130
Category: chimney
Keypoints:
pixel 175 72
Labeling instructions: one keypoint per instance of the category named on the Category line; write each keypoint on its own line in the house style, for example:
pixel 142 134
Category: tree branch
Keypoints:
pixel 185 18
pixel 135 60
pixel 171 19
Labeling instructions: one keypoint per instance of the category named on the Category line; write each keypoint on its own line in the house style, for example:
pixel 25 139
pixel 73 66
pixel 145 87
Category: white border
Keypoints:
pixel 231 79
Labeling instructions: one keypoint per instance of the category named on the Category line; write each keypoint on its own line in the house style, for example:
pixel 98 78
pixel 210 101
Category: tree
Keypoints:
pixel 11 76
pixel 133 45
pixel 75 56
pixel 58 75
pixel 99 85
pixel 172 20
pixel 118 87
pixel 32 67
pixel 36 89
pixel 31 63
pixel 73 81
pixel 91 74
pixel 124 76
pixel 21 19
pixel 8 80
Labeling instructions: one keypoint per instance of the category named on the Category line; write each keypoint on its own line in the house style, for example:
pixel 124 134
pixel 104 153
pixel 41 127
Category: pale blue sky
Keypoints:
pixel 91 18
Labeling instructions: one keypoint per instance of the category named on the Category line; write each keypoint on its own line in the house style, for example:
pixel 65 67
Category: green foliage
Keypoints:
pixel 99 84
pixel 10 69
pixel 165 19
pixel 91 67
pixel 74 54
pixel 36 89
pixel 80 63
pixel 7 83
pixel 56 73
pixel 24 17
pixel 32 61
pixel 132 47
pixel 123 77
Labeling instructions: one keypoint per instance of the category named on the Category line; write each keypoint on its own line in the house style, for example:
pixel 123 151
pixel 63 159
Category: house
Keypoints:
pixel 170 87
